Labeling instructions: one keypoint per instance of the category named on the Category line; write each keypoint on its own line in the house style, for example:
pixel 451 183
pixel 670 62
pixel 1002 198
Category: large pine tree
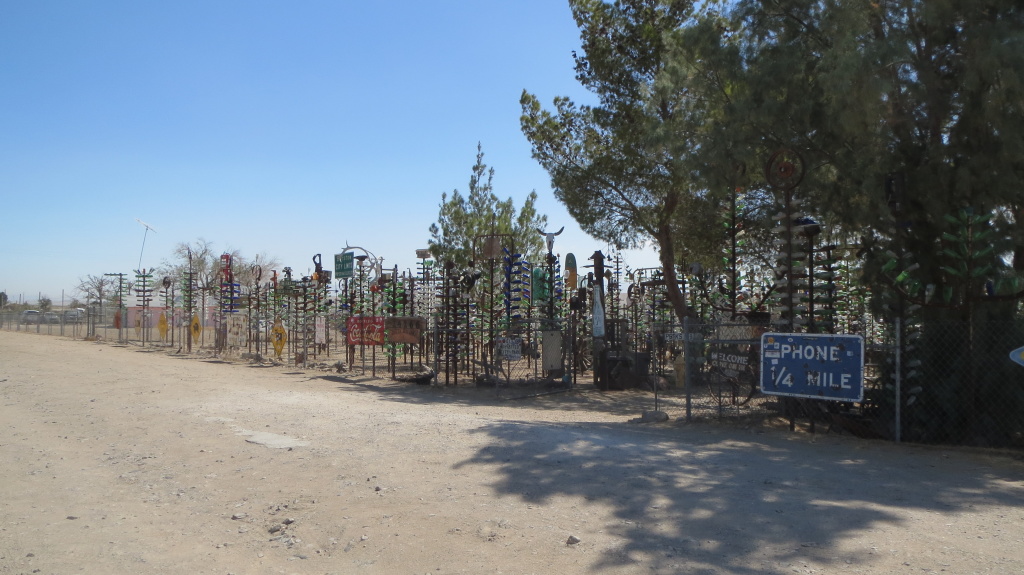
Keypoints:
pixel 611 164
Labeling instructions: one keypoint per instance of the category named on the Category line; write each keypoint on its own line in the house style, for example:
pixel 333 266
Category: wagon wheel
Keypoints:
pixel 584 356
pixel 784 170
pixel 738 386
pixel 746 382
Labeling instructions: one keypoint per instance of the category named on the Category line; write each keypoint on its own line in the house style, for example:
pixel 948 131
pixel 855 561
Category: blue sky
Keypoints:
pixel 285 128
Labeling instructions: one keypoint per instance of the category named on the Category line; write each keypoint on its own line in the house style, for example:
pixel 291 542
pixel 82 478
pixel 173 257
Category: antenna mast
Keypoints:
pixel 148 228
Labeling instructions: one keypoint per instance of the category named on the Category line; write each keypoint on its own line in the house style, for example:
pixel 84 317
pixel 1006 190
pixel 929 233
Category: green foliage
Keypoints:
pixel 616 166
pixel 909 120
pixel 626 168
pixel 693 97
pixel 931 90
pixel 968 392
pixel 464 221
pixel 741 279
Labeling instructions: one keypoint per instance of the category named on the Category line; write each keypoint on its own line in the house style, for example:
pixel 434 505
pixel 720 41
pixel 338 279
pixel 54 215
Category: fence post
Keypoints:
pixel 688 366
pixel 898 377
pixel 437 352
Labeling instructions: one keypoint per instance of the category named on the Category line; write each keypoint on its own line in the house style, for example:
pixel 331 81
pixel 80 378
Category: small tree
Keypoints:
pixel 203 259
pixel 97 288
pixel 463 219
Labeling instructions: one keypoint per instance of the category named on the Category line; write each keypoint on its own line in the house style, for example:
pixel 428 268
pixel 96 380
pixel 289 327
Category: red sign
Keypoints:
pixel 225 267
pixel 365 330
pixel 405 329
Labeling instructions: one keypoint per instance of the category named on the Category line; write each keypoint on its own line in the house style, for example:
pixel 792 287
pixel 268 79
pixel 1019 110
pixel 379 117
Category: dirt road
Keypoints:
pixel 129 460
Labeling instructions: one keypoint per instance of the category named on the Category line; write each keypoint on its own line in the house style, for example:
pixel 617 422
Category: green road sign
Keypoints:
pixel 343 265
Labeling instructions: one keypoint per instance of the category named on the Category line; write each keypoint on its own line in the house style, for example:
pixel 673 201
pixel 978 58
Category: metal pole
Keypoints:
pixel 898 377
pixel 687 369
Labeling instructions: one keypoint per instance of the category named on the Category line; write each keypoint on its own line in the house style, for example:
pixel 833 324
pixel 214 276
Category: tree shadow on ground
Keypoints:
pixel 691 497
pixel 627 403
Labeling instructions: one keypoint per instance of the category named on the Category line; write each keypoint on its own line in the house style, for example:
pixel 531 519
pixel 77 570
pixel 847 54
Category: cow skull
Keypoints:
pixel 549 238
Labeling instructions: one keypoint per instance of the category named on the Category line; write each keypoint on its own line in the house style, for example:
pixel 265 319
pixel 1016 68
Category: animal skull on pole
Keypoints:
pixel 549 238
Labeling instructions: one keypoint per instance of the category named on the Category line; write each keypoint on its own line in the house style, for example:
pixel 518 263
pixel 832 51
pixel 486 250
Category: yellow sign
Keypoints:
pixel 161 326
pixel 278 337
pixel 195 328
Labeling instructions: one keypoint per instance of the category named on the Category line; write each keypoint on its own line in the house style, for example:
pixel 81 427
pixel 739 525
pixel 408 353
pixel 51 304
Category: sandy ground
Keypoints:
pixel 129 460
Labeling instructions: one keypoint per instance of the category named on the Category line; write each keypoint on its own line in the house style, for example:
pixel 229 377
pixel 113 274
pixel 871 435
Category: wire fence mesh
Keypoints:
pixel 930 382
pixel 952 382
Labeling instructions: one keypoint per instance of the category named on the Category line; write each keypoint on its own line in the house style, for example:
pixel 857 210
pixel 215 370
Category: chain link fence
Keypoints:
pixel 938 382
pixel 48 323
pixel 952 382
pixel 717 365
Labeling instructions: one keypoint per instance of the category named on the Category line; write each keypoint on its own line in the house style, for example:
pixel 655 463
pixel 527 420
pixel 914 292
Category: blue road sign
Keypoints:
pixel 816 366
pixel 1017 355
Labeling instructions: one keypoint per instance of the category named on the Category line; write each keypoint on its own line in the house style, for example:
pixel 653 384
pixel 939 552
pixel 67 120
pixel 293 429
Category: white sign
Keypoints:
pixel 509 348
pixel 551 350
pixel 238 335
pixel 695 337
pixel 320 331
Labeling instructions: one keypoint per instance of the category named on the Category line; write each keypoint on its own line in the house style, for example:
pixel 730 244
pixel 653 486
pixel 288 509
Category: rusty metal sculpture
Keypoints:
pixel 784 170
